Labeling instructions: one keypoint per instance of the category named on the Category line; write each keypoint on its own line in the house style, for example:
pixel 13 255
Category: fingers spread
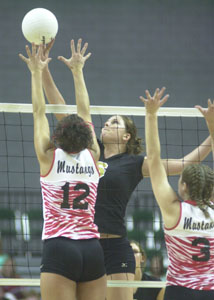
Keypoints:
pixel 79 45
pixel 73 51
pixel 209 102
pixel 165 98
pixel 156 94
pixel 48 60
pixel 143 100
pixel 28 51
pixel 161 92
pixel 148 94
pixel 23 58
pixel 50 45
pixel 200 109
pixel 87 56
pixel 84 49
pixel 39 51
pixel 33 49
pixel 63 59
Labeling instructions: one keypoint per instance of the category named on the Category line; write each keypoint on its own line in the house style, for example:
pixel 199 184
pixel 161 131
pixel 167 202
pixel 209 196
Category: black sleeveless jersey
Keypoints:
pixel 123 173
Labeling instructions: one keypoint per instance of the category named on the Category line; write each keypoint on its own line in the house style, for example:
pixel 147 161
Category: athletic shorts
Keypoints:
pixel 77 260
pixel 119 256
pixel 183 293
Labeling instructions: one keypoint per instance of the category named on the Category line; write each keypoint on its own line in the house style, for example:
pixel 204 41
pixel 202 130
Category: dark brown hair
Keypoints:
pixel 199 179
pixel 134 144
pixel 72 134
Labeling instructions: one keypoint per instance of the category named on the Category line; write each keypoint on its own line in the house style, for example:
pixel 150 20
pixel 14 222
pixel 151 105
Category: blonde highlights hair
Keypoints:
pixel 199 179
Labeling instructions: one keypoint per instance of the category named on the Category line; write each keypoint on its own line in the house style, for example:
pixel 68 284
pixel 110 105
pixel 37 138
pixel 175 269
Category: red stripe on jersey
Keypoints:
pixel 191 262
pixel 69 194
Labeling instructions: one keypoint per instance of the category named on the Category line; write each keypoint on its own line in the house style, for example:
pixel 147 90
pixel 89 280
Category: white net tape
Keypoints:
pixel 110 283
pixel 102 110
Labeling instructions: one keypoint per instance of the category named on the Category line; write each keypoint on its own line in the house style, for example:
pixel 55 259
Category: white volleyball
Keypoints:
pixel 39 26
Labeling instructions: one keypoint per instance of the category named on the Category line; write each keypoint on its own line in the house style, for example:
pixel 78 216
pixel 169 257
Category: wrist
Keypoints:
pixel 76 71
pixel 46 69
pixel 151 113
pixel 36 71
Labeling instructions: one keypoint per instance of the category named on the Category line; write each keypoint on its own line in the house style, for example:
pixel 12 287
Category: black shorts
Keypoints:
pixel 119 256
pixel 183 293
pixel 77 260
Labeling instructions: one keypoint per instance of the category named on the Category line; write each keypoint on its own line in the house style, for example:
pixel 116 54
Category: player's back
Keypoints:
pixel 69 195
pixel 190 247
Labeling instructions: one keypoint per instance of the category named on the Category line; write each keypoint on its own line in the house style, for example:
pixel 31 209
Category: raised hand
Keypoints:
pixel 152 103
pixel 46 49
pixel 208 114
pixel 34 60
pixel 77 60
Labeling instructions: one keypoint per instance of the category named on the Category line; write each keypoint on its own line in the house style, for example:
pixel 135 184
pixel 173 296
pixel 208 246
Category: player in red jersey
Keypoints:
pixel 189 224
pixel 72 260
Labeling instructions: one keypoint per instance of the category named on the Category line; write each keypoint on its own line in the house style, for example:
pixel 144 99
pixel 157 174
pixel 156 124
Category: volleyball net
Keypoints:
pixel 181 130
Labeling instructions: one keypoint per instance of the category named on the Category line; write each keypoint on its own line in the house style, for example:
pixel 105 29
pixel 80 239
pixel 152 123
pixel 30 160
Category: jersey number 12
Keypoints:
pixel 77 201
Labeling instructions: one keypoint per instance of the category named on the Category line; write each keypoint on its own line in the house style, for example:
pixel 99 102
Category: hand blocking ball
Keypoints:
pixel 39 26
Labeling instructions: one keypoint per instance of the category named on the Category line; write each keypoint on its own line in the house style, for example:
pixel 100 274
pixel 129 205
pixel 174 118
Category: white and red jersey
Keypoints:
pixel 69 193
pixel 190 246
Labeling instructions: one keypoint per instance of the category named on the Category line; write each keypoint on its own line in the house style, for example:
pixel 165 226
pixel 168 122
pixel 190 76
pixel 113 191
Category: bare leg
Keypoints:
pixel 116 293
pixel 55 287
pixel 92 290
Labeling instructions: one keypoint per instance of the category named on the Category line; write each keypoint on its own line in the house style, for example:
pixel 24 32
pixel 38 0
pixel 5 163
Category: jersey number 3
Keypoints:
pixel 77 201
pixel 205 250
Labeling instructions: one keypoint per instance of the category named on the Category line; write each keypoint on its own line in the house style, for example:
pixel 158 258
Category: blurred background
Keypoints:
pixel 135 45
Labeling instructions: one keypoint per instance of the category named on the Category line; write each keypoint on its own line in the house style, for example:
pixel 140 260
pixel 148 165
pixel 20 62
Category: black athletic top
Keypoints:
pixel 123 173
pixel 147 293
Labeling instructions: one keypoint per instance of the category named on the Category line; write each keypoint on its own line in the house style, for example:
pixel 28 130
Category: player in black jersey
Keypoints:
pixel 124 169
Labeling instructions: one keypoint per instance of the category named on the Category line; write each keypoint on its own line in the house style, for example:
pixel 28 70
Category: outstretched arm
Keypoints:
pixel 41 127
pixel 76 63
pixel 208 114
pixel 52 93
pixel 163 192
pixel 176 166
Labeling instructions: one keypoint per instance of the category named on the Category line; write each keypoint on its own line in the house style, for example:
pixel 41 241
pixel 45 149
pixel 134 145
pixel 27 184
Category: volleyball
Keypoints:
pixel 39 26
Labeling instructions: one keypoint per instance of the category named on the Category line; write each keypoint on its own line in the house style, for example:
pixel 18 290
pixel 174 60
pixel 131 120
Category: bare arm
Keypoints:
pixel 76 64
pixel 208 114
pixel 164 194
pixel 176 166
pixel 52 93
pixel 42 143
